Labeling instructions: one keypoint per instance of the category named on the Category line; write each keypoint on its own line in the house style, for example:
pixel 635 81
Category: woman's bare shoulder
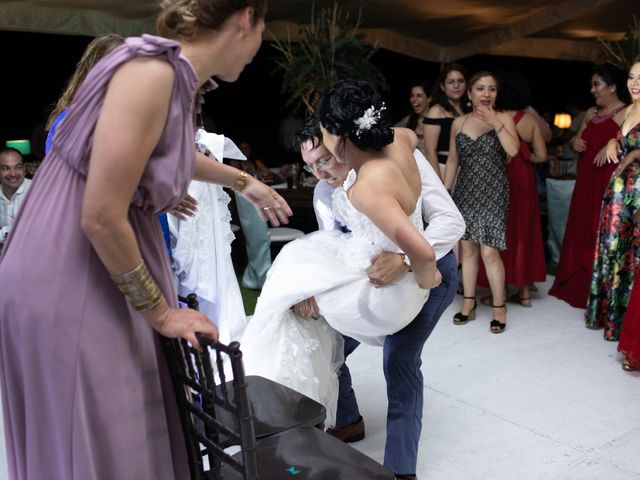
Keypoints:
pixel 589 114
pixel 407 136
pixel 436 112
pixel 526 126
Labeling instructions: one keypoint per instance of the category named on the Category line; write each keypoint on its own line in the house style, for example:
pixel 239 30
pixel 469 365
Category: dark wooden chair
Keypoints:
pixel 276 407
pixel 303 452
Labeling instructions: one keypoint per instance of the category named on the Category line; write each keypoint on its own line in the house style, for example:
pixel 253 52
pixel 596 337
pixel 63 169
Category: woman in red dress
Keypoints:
pixel 524 261
pixel 601 124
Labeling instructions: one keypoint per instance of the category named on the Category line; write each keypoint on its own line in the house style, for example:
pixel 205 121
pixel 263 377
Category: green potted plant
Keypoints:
pixel 622 53
pixel 329 49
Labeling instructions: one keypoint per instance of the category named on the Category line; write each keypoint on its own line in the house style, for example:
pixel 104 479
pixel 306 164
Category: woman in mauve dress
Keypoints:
pixel 84 275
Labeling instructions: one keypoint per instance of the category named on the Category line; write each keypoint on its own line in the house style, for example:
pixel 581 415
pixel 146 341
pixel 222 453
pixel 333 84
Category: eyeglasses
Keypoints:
pixel 319 165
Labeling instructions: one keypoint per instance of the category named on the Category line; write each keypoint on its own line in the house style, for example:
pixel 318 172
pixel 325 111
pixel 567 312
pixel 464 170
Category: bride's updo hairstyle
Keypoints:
pixel 185 18
pixel 354 110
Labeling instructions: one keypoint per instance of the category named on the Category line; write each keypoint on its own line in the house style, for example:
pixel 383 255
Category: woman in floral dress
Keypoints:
pixel 630 146
pixel 617 254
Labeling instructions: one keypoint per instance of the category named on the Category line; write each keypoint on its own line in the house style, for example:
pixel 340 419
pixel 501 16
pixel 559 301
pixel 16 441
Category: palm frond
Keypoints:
pixel 329 49
pixel 623 53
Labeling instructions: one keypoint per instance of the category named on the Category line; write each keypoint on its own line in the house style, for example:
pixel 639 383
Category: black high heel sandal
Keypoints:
pixel 460 319
pixel 496 326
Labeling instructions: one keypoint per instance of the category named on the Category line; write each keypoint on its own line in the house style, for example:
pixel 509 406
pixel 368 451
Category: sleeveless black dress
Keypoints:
pixel 482 189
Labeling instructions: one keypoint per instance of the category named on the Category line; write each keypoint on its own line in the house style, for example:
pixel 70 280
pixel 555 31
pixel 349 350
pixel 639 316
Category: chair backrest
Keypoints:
pixel 201 389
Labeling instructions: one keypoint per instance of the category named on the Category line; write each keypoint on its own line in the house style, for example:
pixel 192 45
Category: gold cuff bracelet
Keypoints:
pixel 239 184
pixel 140 289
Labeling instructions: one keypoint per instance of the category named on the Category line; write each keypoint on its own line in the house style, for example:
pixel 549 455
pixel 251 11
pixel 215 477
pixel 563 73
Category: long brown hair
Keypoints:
pixel 97 49
pixel 438 97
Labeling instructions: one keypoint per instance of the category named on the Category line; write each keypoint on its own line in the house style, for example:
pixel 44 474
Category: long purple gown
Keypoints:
pixel 85 388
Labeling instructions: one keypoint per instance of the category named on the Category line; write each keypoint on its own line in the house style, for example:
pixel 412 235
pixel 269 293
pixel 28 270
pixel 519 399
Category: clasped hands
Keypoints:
pixel 385 268
pixel 612 153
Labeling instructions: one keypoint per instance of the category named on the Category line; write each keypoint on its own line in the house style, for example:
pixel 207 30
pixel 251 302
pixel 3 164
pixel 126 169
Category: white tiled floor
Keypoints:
pixel 546 400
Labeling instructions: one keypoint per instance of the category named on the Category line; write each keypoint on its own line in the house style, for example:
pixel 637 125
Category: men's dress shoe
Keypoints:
pixel 406 477
pixel 352 432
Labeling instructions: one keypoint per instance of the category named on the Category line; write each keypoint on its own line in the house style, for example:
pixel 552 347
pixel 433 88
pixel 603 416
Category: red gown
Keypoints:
pixel 524 260
pixel 630 336
pixel 573 277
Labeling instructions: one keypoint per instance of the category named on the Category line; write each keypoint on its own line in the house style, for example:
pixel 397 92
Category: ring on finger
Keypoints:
pixel 266 209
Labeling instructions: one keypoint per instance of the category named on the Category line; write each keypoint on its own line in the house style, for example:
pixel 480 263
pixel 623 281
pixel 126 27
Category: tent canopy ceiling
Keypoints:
pixel 433 30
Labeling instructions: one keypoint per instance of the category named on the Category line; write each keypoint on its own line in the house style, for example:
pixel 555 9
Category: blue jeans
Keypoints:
pixel 402 362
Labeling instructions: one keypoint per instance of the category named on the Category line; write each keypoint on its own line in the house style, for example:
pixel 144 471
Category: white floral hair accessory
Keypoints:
pixel 368 119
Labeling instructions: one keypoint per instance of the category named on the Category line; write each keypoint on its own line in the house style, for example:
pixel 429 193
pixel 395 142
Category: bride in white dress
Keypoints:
pixel 380 204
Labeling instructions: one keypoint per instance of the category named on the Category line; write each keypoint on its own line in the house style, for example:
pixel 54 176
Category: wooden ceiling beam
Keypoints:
pixel 541 20
pixel 69 21
pixel 382 38
pixel 549 48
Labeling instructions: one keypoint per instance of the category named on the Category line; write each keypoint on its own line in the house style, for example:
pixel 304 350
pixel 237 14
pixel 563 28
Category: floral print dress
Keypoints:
pixel 617 253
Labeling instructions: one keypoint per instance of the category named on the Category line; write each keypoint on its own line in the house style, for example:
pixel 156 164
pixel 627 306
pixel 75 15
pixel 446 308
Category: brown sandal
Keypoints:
pixel 488 300
pixel 523 301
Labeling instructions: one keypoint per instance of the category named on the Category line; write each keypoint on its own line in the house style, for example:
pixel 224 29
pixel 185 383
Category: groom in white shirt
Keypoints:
pixel 401 351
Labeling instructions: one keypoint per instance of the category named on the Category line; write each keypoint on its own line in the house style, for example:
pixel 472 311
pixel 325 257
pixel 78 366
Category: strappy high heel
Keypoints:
pixel 460 319
pixel 496 326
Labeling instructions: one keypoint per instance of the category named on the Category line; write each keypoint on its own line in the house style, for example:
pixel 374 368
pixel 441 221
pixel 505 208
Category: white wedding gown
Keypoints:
pixel 305 354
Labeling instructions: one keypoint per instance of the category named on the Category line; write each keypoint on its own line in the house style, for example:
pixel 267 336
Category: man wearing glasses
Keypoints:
pixel 401 351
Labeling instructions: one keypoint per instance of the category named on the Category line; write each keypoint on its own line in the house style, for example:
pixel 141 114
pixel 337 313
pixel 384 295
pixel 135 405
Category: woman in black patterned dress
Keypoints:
pixel 481 143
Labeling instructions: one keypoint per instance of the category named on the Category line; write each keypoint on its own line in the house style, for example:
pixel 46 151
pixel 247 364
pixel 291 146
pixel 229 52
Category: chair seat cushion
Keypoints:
pixel 275 407
pixel 309 453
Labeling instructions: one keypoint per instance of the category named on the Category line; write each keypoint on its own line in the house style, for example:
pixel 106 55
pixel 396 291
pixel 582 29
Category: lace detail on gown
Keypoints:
pixel 203 260
pixel 365 239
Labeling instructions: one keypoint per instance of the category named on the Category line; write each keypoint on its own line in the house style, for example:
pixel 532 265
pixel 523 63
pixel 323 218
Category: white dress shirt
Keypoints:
pixel 445 225
pixel 9 207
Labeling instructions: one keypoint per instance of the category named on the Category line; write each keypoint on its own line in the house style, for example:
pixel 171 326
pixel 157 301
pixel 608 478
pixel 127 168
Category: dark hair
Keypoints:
pixel 438 97
pixel 413 116
pixel 614 76
pixel 184 18
pixel 12 150
pixel 345 103
pixel 515 93
pixel 309 132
